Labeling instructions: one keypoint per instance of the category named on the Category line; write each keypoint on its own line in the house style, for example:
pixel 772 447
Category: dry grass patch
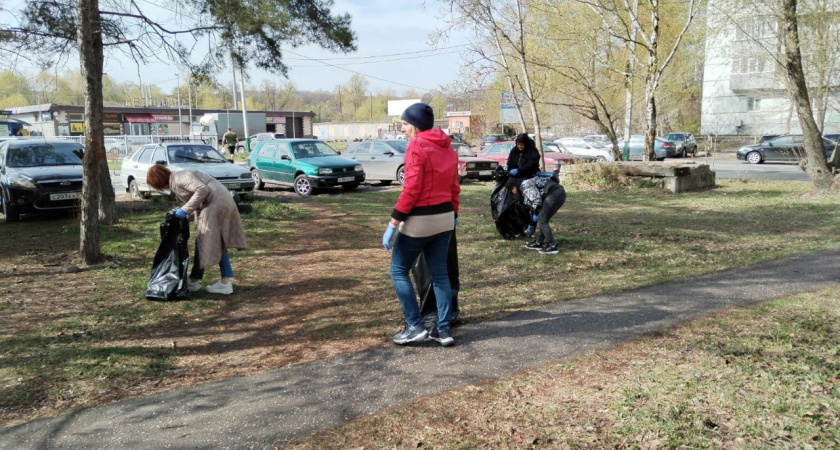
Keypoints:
pixel 314 282
pixel 761 377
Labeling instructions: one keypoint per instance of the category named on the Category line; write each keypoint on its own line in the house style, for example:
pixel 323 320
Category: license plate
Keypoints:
pixel 233 185
pixel 346 179
pixel 67 196
pixel 485 172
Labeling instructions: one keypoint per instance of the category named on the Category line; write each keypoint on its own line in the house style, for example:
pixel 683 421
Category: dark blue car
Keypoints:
pixel 785 148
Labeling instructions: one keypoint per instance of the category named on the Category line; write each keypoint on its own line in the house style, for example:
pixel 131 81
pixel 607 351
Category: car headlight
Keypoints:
pixel 324 171
pixel 245 176
pixel 358 168
pixel 470 165
pixel 23 182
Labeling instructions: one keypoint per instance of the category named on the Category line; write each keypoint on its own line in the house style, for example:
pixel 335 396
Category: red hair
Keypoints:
pixel 158 176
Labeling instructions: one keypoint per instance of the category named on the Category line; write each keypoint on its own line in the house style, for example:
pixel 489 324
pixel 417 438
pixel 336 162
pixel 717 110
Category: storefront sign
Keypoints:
pixel 77 127
pixel 63 129
pixel 112 128
pixel 279 119
pixel 162 118
pixel 459 114
pixel 111 117
pixel 46 115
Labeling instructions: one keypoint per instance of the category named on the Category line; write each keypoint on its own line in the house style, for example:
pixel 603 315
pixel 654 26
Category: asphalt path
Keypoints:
pixel 284 405
pixel 727 166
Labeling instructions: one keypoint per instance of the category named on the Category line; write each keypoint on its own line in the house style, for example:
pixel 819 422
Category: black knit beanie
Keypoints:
pixel 420 115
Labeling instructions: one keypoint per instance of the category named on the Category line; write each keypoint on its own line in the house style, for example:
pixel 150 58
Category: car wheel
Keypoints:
pixel 401 175
pixel 134 190
pixel 600 159
pixel 753 157
pixel 683 153
pixel 10 213
pixel 303 186
pixel 350 186
pixel 258 181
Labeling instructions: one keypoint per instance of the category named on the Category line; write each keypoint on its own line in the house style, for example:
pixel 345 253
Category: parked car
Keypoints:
pixel 303 164
pixel 500 151
pixel 182 156
pixel 256 139
pixel 788 148
pixel 661 148
pixel 381 159
pixel 765 138
pixel 458 138
pixel 580 147
pixel 598 140
pixel 491 139
pixel 39 175
pixel 472 167
pixel 685 142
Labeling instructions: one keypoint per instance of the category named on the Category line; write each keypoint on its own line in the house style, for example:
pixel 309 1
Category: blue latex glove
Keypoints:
pixel 389 234
pixel 513 172
pixel 530 230
pixel 180 213
pixel 456 221
pixel 535 218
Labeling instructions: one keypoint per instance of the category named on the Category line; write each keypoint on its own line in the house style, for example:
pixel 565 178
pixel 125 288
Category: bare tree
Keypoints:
pixel 249 31
pixel 502 25
pixel 627 24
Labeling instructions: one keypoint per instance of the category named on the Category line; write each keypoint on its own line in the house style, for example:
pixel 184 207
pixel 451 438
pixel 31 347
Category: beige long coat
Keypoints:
pixel 218 226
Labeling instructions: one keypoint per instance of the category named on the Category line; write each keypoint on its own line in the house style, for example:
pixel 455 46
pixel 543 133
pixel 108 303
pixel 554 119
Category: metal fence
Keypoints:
pixel 119 147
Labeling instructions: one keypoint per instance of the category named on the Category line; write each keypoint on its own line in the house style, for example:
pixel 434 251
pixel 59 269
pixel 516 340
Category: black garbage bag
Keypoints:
pixel 426 291
pixel 168 280
pixel 511 217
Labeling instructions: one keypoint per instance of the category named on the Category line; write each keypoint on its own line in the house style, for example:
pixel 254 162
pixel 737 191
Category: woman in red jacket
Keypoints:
pixel 426 213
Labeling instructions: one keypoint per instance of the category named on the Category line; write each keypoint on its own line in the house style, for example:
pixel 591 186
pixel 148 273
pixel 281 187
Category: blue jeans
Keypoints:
pixel 435 249
pixel 197 272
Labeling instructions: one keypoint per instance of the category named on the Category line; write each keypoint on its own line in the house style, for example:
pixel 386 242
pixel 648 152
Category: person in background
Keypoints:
pixel 229 141
pixel 523 161
pixel 426 213
pixel 218 226
pixel 544 197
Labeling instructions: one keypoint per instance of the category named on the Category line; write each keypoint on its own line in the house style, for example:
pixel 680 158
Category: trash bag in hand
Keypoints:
pixel 168 280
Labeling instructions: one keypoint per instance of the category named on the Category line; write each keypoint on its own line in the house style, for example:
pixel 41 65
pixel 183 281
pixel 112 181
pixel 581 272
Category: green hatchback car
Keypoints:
pixel 303 164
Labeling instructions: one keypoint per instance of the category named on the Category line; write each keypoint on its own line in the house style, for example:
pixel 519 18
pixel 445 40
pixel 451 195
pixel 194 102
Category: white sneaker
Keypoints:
pixel 219 288
pixel 193 286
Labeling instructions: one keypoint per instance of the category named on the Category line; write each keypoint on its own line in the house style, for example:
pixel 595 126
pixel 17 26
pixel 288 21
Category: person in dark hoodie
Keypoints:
pixel 544 197
pixel 523 161
pixel 425 213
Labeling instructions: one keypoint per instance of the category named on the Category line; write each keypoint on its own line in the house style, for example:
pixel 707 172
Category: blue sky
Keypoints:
pixel 393 52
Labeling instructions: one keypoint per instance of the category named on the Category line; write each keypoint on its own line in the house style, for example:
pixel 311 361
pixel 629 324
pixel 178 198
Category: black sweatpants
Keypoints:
pixel 551 203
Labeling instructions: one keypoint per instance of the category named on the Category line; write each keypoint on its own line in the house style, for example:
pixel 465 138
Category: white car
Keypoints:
pixel 183 156
pixel 579 147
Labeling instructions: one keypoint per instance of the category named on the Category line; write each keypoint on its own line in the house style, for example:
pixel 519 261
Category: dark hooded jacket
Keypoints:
pixel 527 162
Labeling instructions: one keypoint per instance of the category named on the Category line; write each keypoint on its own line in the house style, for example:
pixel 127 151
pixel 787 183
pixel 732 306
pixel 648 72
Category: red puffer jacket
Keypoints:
pixel 431 177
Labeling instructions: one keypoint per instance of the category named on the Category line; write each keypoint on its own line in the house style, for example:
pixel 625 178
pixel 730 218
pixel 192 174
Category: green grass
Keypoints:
pixel 86 341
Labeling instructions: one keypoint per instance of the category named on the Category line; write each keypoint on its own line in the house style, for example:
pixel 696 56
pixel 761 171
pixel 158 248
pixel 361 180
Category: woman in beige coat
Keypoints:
pixel 218 226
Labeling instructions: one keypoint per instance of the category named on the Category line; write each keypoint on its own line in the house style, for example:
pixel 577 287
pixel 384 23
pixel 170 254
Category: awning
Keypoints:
pixel 139 118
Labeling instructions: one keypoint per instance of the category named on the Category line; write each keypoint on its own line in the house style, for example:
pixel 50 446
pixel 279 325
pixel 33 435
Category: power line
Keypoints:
pixel 387 55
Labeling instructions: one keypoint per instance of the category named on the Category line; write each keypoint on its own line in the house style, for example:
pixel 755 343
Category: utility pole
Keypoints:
pixel 180 117
pixel 233 67
pixel 371 106
pixel 244 112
